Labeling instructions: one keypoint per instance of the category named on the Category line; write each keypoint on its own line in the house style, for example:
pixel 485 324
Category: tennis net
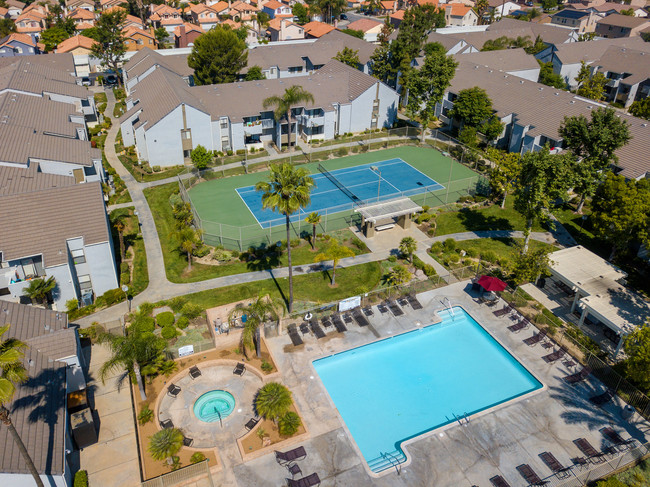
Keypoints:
pixel 339 185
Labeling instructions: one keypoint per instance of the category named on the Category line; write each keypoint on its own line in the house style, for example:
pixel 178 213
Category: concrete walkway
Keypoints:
pixel 110 208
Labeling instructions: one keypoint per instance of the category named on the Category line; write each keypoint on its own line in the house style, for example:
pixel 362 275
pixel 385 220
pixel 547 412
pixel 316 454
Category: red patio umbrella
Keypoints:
pixel 490 283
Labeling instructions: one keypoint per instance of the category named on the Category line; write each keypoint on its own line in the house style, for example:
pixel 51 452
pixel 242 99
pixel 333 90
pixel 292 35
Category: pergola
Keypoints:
pixel 598 290
pixel 375 214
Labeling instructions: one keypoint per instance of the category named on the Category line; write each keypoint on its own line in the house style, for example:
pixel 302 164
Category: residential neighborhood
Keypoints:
pixel 302 243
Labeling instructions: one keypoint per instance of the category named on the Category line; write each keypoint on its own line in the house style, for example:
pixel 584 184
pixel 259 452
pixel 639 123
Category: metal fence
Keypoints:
pixel 184 474
pixel 336 218
pixel 202 346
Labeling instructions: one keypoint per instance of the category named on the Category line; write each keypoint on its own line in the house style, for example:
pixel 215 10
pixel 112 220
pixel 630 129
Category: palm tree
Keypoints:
pixel 408 246
pixel 120 224
pixel 398 275
pixel 13 372
pixel 188 241
pixel 183 214
pixel 293 95
pixel 334 252
pixel 313 219
pixel 39 289
pixel 129 352
pixel 165 443
pixel 286 191
pixel 259 311
pixel 272 401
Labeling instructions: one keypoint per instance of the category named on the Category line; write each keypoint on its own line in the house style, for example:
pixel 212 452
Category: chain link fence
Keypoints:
pixel 184 474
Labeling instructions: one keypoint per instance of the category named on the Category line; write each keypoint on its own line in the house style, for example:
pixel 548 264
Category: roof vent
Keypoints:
pixel 572 102
pixel 644 125
pixel 541 88
pixel 557 94
pixel 589 107
pixel 521 81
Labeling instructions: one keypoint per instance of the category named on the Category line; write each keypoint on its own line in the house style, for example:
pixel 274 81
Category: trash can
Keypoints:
pixel 628 412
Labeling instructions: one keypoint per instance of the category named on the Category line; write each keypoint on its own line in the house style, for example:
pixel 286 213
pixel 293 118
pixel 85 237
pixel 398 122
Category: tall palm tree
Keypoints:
pixel 286 191
pixel 334 252
pixel 313 219
pixel 293 96
pixel 129 352
pixel 408 246
pixel 188 241
pixel 120 224
pixel 273 400
pixel 13 372
pixel 264 308
pixel 39 289
pixel 165 443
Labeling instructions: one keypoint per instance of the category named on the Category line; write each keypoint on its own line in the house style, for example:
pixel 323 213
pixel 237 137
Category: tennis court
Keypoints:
pixel 345 188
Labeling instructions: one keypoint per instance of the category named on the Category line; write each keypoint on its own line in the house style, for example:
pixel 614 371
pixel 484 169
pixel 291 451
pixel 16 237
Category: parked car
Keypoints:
pixel 86 81
pixel 110 80
pixel 343 17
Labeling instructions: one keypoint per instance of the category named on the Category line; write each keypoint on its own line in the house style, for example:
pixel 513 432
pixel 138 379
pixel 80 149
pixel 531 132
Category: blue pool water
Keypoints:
pixel 395 389
pixel 214 405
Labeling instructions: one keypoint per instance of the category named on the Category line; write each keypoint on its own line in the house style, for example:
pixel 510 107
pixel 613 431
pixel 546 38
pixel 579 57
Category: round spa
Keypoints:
pixel 214 406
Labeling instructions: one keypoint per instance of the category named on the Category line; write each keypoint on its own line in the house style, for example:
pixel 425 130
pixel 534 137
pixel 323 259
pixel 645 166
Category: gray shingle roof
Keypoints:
pixel 146 58
pixel 619 20
pixel 28 322
pixel 14 180
pixel 40 222
pixel 624 60
pixel 552 34
pixel 504 60
pixel 589 51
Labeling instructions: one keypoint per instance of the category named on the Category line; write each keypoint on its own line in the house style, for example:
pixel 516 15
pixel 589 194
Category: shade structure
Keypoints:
pixel 490 283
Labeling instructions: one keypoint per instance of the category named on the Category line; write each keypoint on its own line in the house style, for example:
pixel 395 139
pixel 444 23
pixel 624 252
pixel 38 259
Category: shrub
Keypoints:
pixel 295 242
pixel 81 479
pixel 145 416
pixel 450 245
pixel 202 251
pixel 125 278
pixel 191 311
pixel 124 267
pixel 358 243
pixel 429 270
pixel 71 305
pixel 489 256
pixel 197 457
pixel 182 322
pixel 230 153
pixel 392 258
pixel 112 296
pixel 431 232
pixel 168 332
pixel 222 255
pixel 436 248
pixel 266 366
pixel 273 401
pixel 240 152
pixel 473 253
pixel 144 324
pixel 455 258
pixel 425 208
pixel 177 303
pixel 343 151
pixel 156 168
pixel 165 319
pixel 289 424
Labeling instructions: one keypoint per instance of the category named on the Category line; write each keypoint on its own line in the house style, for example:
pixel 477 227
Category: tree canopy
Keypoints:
pixel 217 56
pixel 201 157
pixel 52 37
pixel 7 26
pixel 593 87
pixel 549 78
pixel 301 13
pixel 354 33
pixel 473 108
pixel 110 45
pixel 505 172
pixel 637 348
pixel 254 73
pixel 641 108
pixel 348 56
pixel 327 9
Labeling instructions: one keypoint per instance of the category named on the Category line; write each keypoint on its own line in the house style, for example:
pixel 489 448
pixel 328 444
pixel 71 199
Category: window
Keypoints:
pixel 78 256
pixel 138 41
pixel 29 269
pixel 84 283
pixel 186 134
pixel 225 143
pixel 224 123
pixel 295 69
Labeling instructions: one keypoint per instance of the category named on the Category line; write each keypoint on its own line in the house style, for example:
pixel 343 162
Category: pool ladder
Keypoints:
pixel 449 307
pixel 464 419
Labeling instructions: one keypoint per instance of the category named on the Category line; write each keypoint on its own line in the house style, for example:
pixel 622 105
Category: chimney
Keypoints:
pixel 229 5
pixel 283 23
pixel 182 36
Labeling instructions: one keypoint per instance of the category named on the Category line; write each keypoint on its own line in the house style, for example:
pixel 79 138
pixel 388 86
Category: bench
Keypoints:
pixel 387 226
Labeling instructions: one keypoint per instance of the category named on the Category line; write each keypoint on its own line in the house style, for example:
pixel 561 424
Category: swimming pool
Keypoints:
pixel 401 387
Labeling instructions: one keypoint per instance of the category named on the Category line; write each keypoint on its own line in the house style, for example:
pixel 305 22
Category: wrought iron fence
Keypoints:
pixel 184 474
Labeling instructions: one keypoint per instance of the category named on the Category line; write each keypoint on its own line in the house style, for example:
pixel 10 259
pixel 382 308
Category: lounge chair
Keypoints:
pixel 195 372
pixel 294 469
pixel 517 327
pixel 309 481
pixel 394 308
pixel 368 311
pixel 383 309
pixel 529 474
pixel 555 356
pixel 187 441
pixel 601 399
pixel 593 455
pixel 318 331
pixel 239 369
pixel 361 320
pixel 166 424
pixel 304 328
pixel 294 455
pixel 616 439
pixel 294 335
pixel 251 424
pixel 578 376
pixel 326 321
pixel 347 318
pixel 338 323
pixel 503 311
pixel 535 339
pixel 551 462
pixel 413 301
pixel 173 390
pixel 499 481
pixel 402 301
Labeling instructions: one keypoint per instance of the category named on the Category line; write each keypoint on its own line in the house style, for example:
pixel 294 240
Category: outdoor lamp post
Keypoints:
pixel 378 171
pixel 125 288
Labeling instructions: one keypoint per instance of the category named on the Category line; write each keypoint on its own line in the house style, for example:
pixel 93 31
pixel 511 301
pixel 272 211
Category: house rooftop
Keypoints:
pixel 619 20
pixel 633 64
pixel 41 76
pixel 364 25
pixel 317 29
pixel 508 60
pixel 568 13
pixel 144 59
pixel 589 51
pixel 16 180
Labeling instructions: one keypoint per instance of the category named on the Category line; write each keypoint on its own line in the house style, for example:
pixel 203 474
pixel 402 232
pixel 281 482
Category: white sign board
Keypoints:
pixel 350 303
pixel 186 350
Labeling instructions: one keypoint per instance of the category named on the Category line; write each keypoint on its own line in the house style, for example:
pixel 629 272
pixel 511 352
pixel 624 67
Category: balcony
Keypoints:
pixel 268 123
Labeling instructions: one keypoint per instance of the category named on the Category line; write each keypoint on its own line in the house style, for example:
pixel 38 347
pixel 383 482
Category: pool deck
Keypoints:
pixel 494 442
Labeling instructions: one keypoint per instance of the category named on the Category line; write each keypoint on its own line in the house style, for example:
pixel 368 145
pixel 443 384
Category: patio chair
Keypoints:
pixel 413 301
pixel 601 399
pixel 499 481
pixel 309 481
pixel 294 469
pixel 361 320
pixel 173 390
pixel 251 424
pixel 616 439
pixel 347 318
pixel 593 455
pixel 535 339
pixel 166 424
pixel 529 474
pixel 517 327
pixel 555 356
pixel 578 376
pixel 383 309
pixel 195 372
pixel 368 311
pixel 304 328
pixel 402 301
pixel 338 323
pixel 318 331
pixel 293 334
pixel 187 441
pixel 394 308
pixel 326 321
pixel 239 369
pixel 294 455
pixel 503 311
pixel 553 463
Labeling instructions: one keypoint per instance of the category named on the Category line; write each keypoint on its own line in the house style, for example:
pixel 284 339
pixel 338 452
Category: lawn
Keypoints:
pixel 482 218
pixel 637 476
pixel 579 226
pixel 176 262
pixel 502 248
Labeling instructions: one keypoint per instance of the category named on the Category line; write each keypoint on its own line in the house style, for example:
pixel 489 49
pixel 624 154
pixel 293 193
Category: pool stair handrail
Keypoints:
pixel 392 461
pixel 447 303
pixel 387 460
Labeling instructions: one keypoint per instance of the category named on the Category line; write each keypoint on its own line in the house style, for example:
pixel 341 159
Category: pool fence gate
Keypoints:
pixel 342 216
pixel 183 475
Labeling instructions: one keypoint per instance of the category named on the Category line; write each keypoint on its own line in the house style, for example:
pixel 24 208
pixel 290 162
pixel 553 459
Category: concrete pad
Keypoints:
pixel 122 476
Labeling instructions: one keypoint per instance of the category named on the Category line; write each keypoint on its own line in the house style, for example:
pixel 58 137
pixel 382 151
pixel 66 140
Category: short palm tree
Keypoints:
pixel 129 353
pixel 165 443
pixel 334 252
pixel 13 372
pixel 293 96
pixel 259 311
pixel 188 241
pixel 273 400
pixel 313 219
pixel 398 275
pixel 39 289
pixel 408 246
pixel 120 224
pixel 287 190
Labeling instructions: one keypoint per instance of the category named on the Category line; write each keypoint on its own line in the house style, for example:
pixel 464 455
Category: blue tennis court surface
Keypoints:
pixel 398 178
